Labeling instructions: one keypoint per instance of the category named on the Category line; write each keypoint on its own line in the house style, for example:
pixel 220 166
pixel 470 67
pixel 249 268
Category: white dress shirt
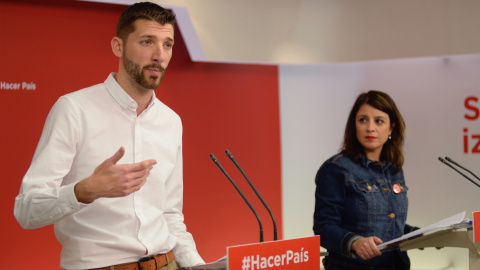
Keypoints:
pixel 82 130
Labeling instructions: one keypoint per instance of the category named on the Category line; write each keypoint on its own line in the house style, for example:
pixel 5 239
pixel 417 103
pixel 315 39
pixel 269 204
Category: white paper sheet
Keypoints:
pixel 458 218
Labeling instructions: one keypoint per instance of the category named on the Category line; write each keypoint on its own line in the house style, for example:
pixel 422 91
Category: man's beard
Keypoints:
pixel 138 74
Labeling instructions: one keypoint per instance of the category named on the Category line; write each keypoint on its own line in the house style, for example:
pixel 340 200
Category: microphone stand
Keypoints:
pixel 256 192
pixel 460 166
pixel 468 178
pixel 241 194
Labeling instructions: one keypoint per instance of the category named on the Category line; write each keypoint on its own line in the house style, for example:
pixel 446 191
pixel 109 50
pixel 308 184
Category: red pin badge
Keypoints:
pixel 397 188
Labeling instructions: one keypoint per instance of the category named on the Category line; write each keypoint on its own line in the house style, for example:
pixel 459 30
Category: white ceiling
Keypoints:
pixel 325 31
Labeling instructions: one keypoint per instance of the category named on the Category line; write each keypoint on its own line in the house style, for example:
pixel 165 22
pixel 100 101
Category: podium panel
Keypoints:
pixel 448 238
pixel 293 254
pixel 301 253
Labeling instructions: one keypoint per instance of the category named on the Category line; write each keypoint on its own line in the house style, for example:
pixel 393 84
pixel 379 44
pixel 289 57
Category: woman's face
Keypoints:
pixel 373 128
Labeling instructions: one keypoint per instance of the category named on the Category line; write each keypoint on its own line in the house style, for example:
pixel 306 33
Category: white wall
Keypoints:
pixel 430 92
pixel 323 31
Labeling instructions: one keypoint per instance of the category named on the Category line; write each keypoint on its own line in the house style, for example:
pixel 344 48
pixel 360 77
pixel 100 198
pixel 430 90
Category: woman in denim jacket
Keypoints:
pixel 361 196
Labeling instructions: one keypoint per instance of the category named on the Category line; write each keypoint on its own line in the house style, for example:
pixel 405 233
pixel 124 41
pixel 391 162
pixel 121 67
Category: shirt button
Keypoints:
pixel 392 215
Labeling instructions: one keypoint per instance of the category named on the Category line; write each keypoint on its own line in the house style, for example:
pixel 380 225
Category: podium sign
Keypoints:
pixel 300 253
pixel 476 227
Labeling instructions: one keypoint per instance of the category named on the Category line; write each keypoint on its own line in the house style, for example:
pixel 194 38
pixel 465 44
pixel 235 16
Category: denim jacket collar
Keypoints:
pixel 367 162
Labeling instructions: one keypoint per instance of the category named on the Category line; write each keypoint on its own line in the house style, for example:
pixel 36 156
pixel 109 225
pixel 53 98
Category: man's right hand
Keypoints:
pixel 112 180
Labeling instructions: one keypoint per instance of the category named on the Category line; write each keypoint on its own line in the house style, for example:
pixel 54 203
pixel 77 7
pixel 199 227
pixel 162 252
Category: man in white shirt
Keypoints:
pixel 108 170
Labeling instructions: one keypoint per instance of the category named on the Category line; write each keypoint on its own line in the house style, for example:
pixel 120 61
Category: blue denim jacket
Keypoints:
pixel 358 199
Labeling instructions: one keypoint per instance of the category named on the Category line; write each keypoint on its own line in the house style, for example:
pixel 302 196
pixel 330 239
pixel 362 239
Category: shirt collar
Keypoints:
pixel 120 96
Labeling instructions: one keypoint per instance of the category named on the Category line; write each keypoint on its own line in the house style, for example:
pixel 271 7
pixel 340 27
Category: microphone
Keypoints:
pixel 229 154
pixel 448 164
pixel 241 194
pixel 458 165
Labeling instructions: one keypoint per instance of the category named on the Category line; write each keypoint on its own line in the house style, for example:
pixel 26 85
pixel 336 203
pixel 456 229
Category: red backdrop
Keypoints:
pixel 62 46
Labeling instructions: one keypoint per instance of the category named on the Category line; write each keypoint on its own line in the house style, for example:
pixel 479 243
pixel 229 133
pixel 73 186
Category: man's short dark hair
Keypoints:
pixel 143 10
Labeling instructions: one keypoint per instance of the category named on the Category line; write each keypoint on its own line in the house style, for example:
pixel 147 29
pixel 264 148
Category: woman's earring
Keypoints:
pixel 390 136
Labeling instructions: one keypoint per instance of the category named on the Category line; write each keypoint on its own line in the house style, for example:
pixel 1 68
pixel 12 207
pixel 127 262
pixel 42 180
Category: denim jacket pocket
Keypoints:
pixel 369 199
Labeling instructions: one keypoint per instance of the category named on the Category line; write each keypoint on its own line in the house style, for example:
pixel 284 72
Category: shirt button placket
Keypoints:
pixel 137 195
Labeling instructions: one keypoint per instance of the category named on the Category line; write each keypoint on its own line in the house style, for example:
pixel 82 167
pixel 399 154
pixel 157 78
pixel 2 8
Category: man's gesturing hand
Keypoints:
pixel 112 180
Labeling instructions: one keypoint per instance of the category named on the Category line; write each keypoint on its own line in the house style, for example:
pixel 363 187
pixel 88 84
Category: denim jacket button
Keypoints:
pixel 392 215
pixel 369 188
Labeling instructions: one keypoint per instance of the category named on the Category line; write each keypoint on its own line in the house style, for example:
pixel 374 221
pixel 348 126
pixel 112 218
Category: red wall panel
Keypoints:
pixel 62 46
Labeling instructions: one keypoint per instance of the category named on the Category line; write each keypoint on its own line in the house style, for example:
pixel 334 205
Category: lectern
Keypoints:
pixel 449 237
